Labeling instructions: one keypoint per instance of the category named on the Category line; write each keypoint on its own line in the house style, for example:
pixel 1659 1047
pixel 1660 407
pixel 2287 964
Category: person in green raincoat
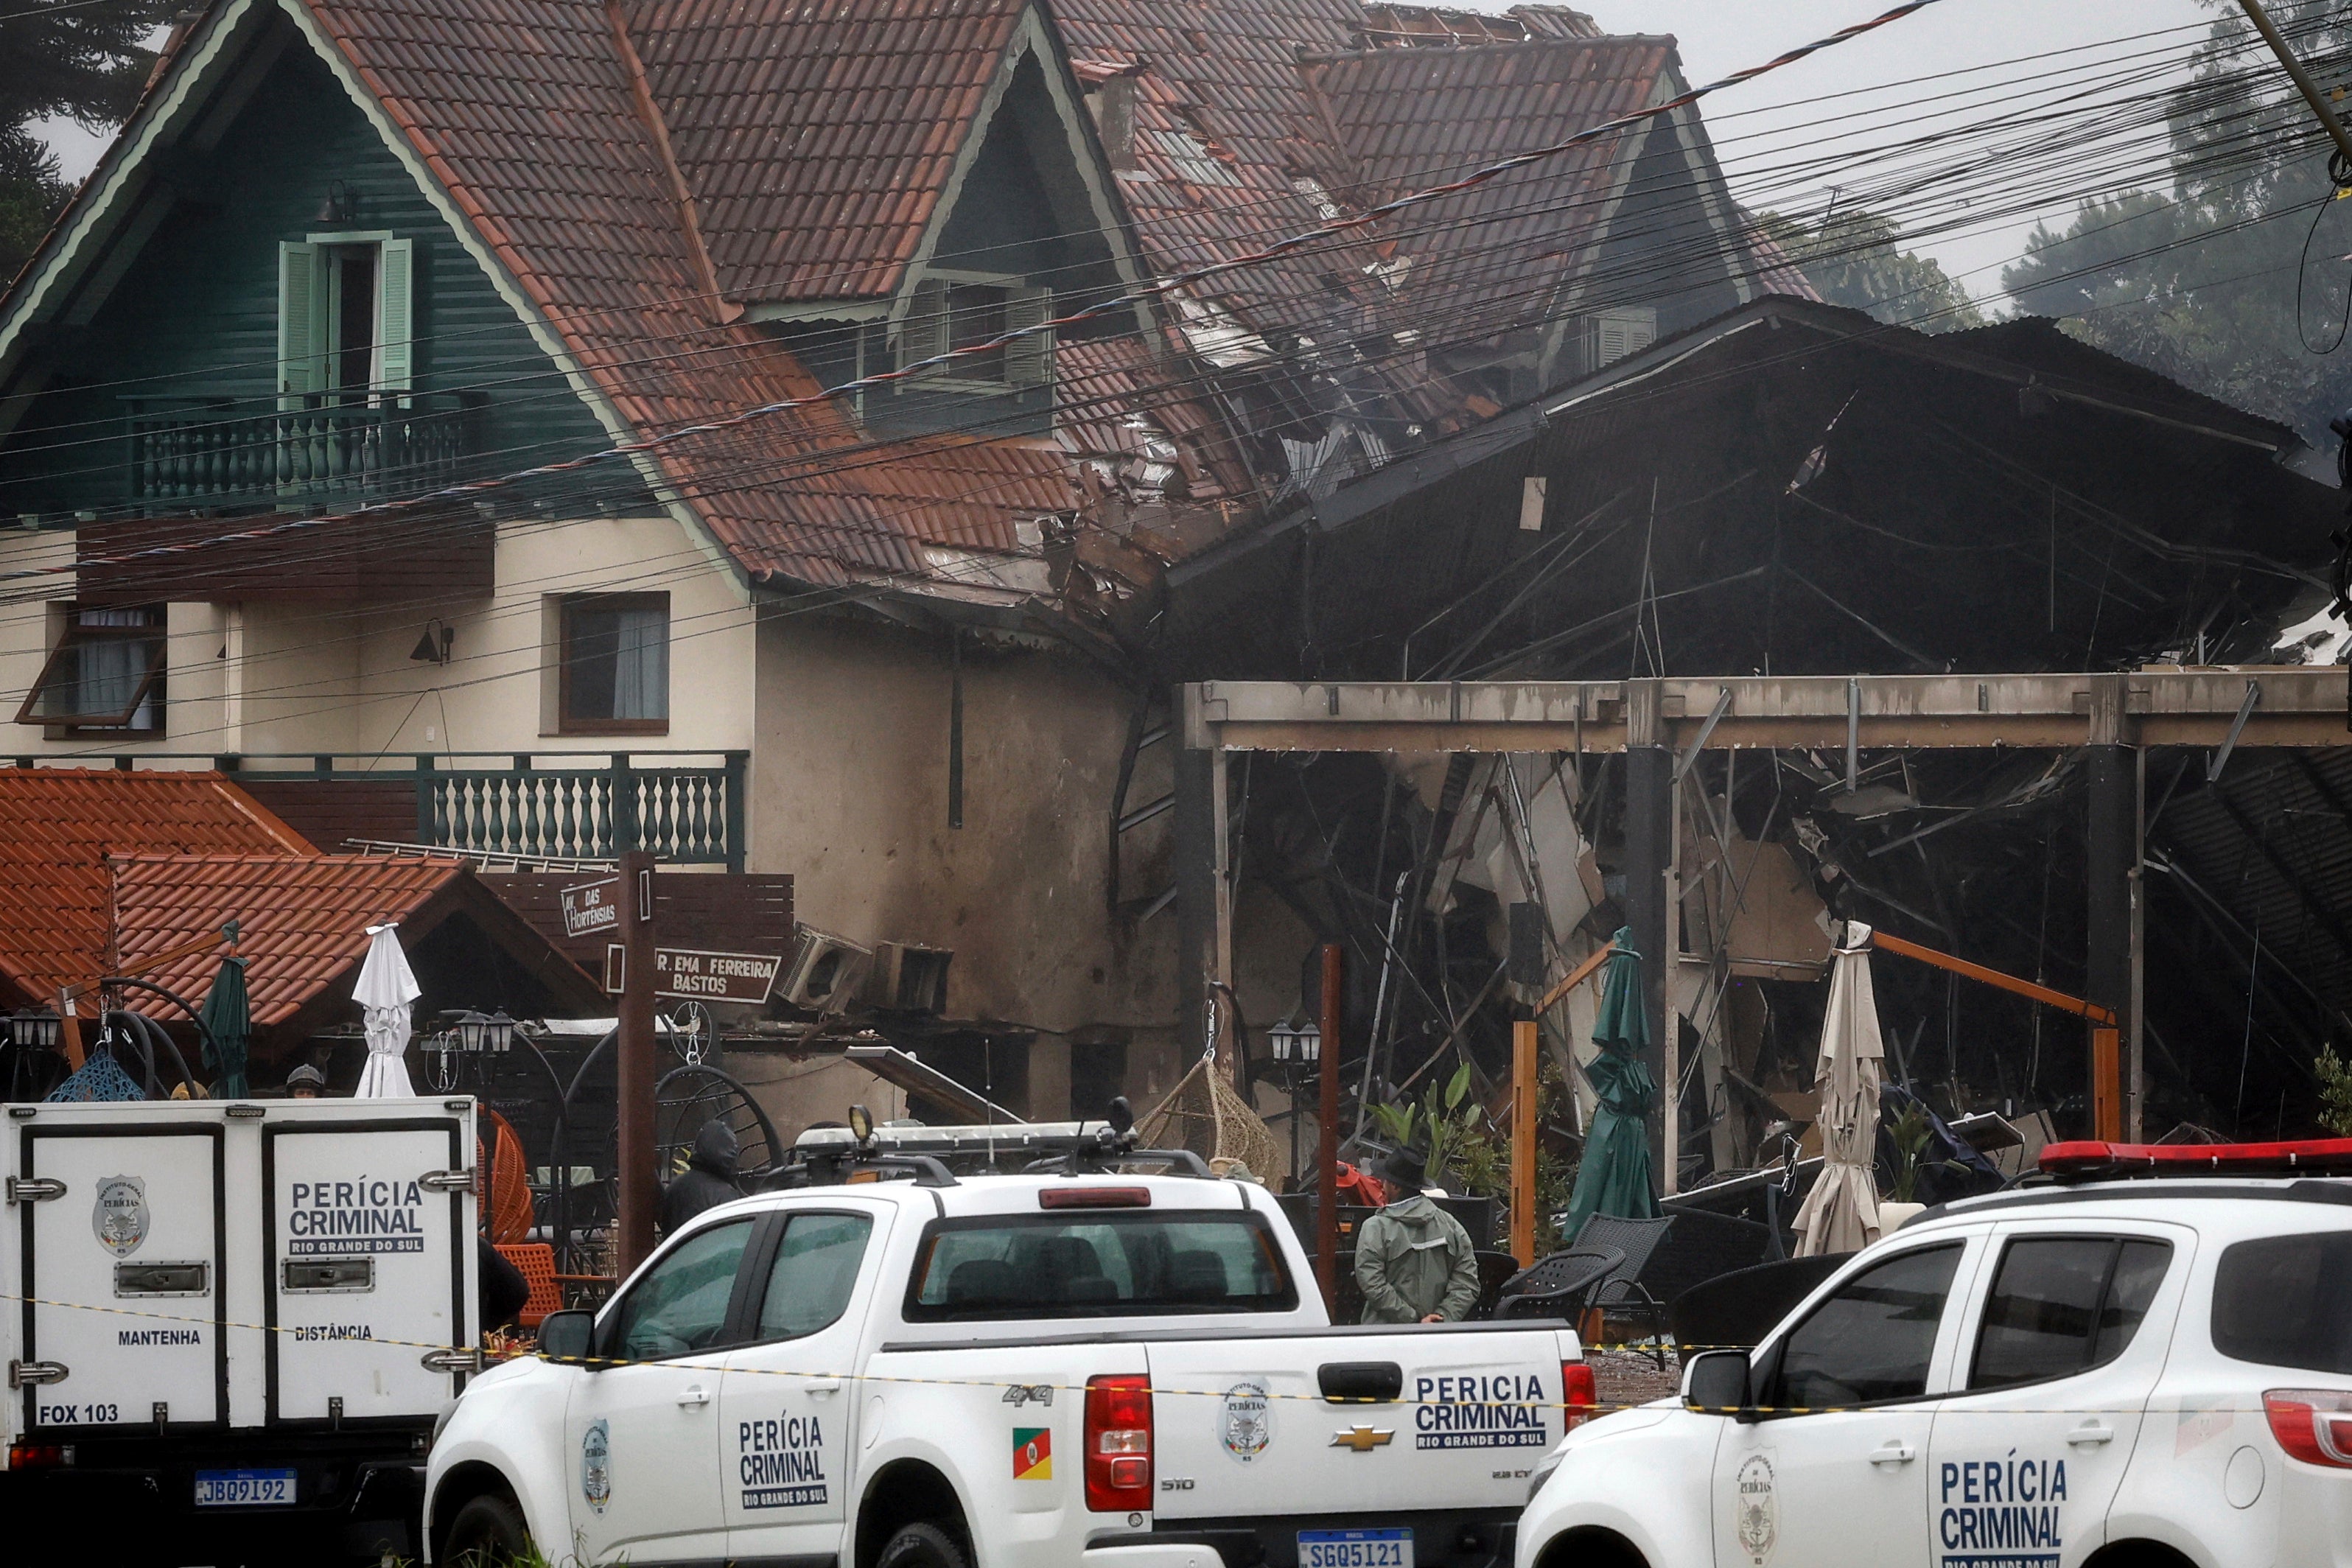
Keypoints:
pixel 1414 1262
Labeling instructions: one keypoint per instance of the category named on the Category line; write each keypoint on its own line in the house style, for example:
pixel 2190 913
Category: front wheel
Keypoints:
pixel 489 1533
pixel 922 1545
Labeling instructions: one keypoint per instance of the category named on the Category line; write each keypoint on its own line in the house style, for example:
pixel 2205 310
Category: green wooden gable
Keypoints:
pixel 228 307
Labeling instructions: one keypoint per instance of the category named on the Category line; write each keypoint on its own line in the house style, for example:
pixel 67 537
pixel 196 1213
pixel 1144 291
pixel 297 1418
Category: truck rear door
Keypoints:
pixel 122 1249
pixel 367 1225
pixel 1454 1419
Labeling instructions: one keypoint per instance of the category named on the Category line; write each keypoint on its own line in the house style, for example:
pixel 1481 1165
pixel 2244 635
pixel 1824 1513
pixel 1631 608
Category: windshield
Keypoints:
pixel 1097 1265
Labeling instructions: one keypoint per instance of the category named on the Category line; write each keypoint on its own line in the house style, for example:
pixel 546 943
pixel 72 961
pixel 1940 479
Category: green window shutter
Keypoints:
pixel 396 310
pixel 1029 362
pixel 924 331
pixel 301 326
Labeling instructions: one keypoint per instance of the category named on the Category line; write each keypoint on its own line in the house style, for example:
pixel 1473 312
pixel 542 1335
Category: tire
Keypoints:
pixel 489 1533
pixel 923 1545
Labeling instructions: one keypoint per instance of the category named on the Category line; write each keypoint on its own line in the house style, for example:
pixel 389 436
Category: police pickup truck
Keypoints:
pixel 226 1323
pixel 2148 1362
pixel 1079 1367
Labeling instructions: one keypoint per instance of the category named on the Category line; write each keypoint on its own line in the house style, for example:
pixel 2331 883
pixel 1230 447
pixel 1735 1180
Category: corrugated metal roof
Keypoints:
pixel 57 826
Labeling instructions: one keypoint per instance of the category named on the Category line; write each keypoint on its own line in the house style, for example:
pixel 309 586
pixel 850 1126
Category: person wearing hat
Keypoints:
pixel 1414 1262
pixel 305 1082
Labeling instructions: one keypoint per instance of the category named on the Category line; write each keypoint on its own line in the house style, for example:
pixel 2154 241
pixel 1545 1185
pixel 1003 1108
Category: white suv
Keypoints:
pixel 2113 1370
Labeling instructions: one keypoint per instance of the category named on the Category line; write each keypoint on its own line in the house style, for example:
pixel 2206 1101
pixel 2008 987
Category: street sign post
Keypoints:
pixel 690 975
pixel 592 907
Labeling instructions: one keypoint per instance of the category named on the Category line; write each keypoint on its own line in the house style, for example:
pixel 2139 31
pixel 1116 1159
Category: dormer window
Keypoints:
pixel 962 310
pixel 345 316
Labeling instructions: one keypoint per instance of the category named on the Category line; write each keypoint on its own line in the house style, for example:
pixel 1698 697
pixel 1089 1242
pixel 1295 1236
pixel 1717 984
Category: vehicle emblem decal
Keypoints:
pixel 1033 1453
pixel 1246 1423
pixel 118 1218
pixel 1758 1513
pixel 1363 1439
pixel 597 1466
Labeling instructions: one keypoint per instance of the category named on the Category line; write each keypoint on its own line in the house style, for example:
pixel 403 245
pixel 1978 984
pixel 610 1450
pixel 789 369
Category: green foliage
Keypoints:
pixel 84 61
pixel 2200 283
pixel 1856 259
pixel 1467 1150
pixel 2335 1093
pixel 1910 1134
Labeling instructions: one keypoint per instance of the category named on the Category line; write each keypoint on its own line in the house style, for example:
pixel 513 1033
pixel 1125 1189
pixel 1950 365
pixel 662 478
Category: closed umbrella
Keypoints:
pixel 1614 1176
pixel 1841 1214
pixel 385 988
pixel 228 1018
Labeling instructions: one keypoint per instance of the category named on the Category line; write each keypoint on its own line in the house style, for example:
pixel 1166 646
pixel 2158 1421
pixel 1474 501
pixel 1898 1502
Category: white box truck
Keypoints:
pixel 232 1321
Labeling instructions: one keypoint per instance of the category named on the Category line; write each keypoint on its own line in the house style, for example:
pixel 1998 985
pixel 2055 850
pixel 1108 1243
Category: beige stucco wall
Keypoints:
pixel 260 679
pixel 850 794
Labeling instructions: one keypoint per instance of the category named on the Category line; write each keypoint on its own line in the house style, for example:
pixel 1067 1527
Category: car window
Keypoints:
pixel 815 1268
pixel 680 1305
pixel 1873 1339
pixel 2280 1302
pixel 1045 1265
pixel 2061 1305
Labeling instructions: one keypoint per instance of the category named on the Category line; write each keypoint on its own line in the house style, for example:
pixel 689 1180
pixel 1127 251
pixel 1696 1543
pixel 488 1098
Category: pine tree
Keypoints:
pixel 85 61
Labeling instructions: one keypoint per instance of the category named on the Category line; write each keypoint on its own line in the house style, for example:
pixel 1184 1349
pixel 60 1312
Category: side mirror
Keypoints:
pixel 1714 1384
pixel 568 1336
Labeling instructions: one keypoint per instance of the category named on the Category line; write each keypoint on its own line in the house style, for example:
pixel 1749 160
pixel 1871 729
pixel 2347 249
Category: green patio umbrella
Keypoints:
pixel 227 1017
pixel 1614 1176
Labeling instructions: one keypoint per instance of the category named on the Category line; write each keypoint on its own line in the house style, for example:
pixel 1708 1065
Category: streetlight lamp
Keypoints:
pixel 1298 1046
pixel 33 1028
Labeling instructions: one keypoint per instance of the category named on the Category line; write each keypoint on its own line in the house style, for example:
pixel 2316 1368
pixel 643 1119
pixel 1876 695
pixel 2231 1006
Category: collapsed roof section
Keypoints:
pixel 1790 487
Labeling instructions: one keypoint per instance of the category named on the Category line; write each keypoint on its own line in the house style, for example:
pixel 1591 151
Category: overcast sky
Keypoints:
pixel 1722 35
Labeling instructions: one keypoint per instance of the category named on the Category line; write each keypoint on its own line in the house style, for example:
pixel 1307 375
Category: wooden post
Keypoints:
pixel 2106 1083
pixel 1327 1138
pixel 1523 1142
pixel 640 1192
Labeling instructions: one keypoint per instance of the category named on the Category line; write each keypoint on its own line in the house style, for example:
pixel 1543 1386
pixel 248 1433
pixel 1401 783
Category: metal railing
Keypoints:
pixel 196 448
pixel 685 808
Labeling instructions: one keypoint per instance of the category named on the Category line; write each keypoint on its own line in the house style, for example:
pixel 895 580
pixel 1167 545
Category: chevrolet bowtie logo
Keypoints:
pixel 1363 1439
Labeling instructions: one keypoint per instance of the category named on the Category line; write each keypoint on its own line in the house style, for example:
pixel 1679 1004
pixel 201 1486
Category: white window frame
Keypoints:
pixel 309 313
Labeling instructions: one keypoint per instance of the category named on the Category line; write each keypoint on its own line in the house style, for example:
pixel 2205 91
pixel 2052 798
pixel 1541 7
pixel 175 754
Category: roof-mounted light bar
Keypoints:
pixel 2095 1161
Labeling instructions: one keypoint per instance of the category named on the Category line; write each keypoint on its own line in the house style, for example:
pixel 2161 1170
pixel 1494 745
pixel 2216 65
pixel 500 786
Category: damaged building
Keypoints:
pixel 1795 490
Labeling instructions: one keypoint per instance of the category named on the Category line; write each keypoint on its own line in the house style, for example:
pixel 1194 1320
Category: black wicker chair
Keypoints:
pixel 1560 1286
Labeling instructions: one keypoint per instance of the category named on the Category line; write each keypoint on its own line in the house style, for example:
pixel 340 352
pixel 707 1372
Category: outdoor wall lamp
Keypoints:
pixel 491 1034
pixel 335 206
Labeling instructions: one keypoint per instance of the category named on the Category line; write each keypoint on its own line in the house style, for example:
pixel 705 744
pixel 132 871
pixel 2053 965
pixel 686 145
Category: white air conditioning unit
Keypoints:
pixel 825 971
pixel 909 978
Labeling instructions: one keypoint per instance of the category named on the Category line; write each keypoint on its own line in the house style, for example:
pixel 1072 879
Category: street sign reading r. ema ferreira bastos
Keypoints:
pixel 702 976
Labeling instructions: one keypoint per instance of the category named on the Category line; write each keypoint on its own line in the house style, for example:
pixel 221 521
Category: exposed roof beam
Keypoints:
pixel 2302 707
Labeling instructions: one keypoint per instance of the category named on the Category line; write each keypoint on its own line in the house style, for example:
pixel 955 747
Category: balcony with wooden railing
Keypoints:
pixel 214 451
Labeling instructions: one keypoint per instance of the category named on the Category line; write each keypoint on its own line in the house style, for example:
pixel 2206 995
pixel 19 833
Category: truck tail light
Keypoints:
pixel 1578 1391
pixel 38 1456
pixel 2313 1425
pixel 1118 1444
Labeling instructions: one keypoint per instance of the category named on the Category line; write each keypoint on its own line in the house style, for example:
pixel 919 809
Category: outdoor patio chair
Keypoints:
pixel 1560 1286
pixel 1623 1294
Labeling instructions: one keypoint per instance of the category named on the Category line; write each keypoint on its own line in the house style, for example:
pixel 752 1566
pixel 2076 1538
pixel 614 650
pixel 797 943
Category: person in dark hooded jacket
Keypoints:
pixel 708 1181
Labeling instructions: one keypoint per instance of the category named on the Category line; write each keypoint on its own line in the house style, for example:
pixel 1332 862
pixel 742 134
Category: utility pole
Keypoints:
pixel 2302 79
pixel 639 1191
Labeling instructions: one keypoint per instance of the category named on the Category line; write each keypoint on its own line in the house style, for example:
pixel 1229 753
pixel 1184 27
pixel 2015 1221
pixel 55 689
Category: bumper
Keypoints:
pixel 358 1492
pixel 1468 1538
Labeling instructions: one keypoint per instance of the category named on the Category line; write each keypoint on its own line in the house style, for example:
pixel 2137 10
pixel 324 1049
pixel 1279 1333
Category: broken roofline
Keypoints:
pixel 2193 413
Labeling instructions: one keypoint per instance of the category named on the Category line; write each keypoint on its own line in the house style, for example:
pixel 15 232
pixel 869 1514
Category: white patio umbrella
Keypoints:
pixel 385 988
pixel 1841 1214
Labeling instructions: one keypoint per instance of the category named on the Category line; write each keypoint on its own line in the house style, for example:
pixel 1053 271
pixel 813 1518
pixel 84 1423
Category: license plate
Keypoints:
pixel 1355 1549
pixel 232 1488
